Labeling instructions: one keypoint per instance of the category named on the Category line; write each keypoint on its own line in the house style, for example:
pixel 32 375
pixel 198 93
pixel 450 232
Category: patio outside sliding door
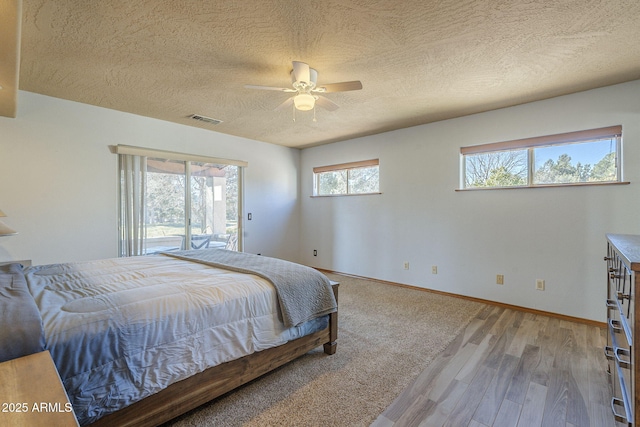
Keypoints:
pixel 214 200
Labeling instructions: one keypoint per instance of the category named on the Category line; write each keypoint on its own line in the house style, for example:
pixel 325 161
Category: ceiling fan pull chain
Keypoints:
pixel 294 112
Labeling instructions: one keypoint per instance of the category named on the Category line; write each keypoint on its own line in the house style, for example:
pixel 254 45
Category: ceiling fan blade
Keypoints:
pixel 281 89
pixel 326 103
pixel 340 87
pixel 301 72
pixel 285 104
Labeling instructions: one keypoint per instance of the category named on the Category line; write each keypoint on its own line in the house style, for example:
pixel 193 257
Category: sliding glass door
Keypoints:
pixel 165 218
pixel 179 205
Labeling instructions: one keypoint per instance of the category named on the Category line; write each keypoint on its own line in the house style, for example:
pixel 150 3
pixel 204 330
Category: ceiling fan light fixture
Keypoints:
pixel 304 81
pixel 304 102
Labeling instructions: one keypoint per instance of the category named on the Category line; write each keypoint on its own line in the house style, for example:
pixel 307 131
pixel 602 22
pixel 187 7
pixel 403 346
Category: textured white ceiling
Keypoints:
pixel 419 61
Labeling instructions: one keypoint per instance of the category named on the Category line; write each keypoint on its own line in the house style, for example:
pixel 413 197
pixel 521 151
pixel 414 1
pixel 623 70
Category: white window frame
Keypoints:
pixel 340 167
pixel 530 144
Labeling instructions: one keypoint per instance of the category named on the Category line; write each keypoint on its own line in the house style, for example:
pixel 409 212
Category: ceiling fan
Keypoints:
pixel 307 91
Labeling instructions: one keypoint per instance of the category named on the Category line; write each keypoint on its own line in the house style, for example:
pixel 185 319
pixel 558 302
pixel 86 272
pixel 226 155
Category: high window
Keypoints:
pixel 172 201
pixel 347 178
pixel 576 158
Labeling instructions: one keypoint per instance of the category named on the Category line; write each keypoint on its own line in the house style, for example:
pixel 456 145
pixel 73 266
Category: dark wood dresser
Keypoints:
pixel 623 278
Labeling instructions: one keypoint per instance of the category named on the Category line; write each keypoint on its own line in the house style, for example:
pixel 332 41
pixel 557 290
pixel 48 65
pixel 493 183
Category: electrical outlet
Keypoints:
pixel 406 265
pixel 540 284
pixel 315 252
pixel 500 279
pixel 434 269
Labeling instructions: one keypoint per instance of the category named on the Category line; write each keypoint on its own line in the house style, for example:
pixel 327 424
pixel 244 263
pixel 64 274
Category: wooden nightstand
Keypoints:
pixel 31 393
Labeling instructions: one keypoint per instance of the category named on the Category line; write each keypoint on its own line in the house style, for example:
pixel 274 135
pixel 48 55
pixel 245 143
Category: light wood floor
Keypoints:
pixel 511 368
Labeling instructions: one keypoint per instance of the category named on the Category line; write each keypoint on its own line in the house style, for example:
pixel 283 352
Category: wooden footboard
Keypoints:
pixel 194 391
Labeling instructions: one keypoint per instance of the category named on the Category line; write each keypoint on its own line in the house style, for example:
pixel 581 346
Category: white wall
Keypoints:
pixel 555 234
pixel 58 180
pixel 58 185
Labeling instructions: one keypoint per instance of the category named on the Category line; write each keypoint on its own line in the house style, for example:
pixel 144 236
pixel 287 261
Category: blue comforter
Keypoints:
pixel 122 329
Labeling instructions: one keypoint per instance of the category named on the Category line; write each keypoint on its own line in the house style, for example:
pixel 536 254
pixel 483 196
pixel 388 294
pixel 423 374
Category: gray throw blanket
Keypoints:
pixel 303 293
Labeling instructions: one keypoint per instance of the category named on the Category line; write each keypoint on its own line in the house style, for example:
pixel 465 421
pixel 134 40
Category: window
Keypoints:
pixel 347 178
pixel 171 201
pixel 575 158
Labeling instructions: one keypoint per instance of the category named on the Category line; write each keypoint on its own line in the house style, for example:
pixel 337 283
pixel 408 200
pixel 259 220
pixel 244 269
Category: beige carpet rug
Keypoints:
pixel 387 335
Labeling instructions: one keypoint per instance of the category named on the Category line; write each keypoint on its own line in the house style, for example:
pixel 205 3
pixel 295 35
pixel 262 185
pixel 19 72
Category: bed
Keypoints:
pixel 141 340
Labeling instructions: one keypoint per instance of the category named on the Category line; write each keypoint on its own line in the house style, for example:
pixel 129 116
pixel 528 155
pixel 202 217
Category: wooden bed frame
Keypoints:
pixel 185 395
